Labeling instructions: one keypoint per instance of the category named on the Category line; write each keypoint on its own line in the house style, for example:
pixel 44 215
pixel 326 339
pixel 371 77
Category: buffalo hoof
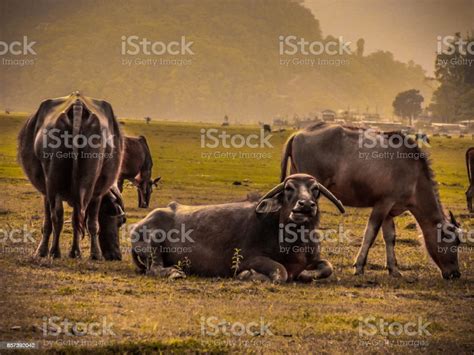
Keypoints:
pixel 166 272
pixel 176 274
pixel 452 275
pixel 75 254
pixel 42 251
pixel 252 275
pixel 112 256
pixel 358 271
pixel 279 277
pixel 55 253
pixel 395 273
pixel 96 256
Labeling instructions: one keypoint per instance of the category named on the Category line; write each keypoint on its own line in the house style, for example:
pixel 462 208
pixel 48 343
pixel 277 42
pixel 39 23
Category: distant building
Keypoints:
pixel 328 115
pixel 371 116
pixel 307 121
pixel 279 122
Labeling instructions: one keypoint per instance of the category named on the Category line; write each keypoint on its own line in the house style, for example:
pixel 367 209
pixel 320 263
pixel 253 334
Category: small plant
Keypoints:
pixel 184 265
pixel 236 260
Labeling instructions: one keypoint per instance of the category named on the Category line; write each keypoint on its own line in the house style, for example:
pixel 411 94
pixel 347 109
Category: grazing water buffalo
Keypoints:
pixel 71 150
pixel 385 171
pixel 136 167
pixel 470 176
pixel 205 238
pixel 111 218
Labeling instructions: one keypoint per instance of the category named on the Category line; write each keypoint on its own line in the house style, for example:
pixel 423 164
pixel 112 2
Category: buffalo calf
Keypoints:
pixel 270 239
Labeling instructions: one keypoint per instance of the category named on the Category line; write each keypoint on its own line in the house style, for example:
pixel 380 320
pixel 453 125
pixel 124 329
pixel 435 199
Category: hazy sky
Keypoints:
pixel 407 28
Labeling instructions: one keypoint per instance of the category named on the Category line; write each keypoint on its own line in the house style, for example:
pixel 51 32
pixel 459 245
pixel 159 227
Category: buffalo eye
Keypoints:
pixel 315 191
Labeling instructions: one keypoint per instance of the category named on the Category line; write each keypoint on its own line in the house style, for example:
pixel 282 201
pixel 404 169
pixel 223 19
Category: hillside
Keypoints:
pixel 235 68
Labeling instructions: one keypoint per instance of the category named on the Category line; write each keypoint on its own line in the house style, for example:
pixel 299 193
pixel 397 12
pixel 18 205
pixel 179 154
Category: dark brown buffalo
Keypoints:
pixel 111 218
pixel 71 150
pixel 137 167
pixel 385 171
pixel 204 240
pixel 470 176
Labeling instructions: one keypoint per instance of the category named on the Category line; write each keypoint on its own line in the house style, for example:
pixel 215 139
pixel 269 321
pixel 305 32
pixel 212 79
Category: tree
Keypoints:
pixel 147 120
pixel 454 69
pixel 360 47
pixel 407 104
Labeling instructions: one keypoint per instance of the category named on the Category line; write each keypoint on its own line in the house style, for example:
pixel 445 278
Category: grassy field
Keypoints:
pixel 342 314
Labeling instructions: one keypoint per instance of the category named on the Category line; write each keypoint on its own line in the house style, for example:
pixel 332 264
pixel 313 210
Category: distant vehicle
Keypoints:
pixel 469 125
pixel 387 126
pixel 445 128
pixel 328 115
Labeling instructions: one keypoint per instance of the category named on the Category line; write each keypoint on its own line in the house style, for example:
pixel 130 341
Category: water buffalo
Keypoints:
pixel 205 239
pixel 111 218
pixel 469 166
pixel 385 171
pixel 136 167
pixel 71 150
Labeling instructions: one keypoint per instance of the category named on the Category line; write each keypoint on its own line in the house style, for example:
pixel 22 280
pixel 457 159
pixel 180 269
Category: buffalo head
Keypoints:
pixel 145 188
pixel 111 218
pixel 445 250
pixel 296 199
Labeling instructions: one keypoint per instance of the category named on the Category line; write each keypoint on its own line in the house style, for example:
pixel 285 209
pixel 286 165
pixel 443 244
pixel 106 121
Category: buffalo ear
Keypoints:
pixel 155 182
pixel 453 220
pixel 268 205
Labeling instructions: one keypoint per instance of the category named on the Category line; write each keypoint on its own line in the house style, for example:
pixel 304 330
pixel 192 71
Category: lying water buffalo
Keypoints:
pixel 470 176
pixel 206 238
pixel 385 171
pixel 111 218
pixel 136 167
pixel 71 150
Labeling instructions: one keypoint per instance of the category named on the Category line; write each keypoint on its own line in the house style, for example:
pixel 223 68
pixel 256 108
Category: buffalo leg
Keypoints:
pixel 120 184
pixel 469 196
pixel 158 269
pixel 388 230
pixel 46 230
pixel 57 217
pixel 77 231
pixel 93 227
pixel 371 230
pixel 266 266
pixel 320 270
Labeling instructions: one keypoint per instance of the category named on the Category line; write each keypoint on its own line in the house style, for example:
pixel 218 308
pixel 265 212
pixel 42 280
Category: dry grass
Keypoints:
pixel 158 315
